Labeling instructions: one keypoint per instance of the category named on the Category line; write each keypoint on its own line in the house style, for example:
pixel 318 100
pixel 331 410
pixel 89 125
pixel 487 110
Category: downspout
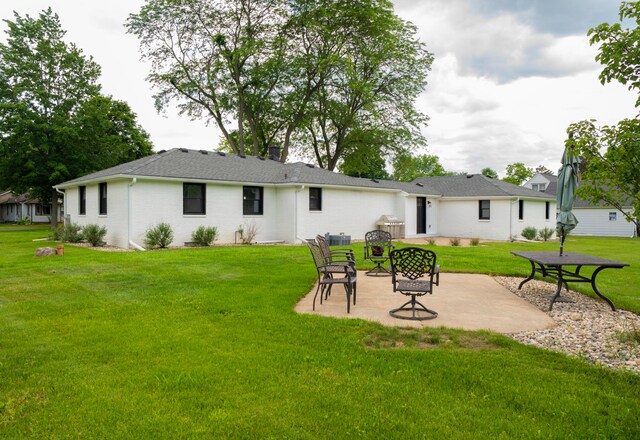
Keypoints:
pixel 64 203
pixel 130 217
pixel 511 236
pixel 295 214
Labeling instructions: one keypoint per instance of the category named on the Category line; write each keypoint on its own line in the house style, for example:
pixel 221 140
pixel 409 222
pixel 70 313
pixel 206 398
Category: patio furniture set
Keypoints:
pixel 413 272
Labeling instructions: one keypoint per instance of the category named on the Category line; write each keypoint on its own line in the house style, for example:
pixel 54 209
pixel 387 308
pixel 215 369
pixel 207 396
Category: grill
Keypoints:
pixel 392 225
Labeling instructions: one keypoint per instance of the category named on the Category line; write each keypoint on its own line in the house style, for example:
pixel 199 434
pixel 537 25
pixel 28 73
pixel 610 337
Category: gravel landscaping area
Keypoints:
pixel 587 328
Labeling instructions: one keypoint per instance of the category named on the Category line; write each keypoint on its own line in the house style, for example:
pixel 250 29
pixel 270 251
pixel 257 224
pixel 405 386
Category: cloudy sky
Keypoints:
pixel 509 76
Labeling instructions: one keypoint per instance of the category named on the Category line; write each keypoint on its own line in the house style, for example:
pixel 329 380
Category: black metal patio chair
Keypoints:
pixel 414 272
pixel 332 273
pixel 377 246
pixel 336 255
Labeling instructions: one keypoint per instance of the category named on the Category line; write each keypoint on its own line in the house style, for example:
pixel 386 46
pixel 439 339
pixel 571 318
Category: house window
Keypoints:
pixel 520 209
pixel 194 198
pixel 103 198
pixel 538 187
pixel 43 210
pixel 315 199
pixel 82 210
pixel 546 210
pixel 613 216
pixel 484 212
pixel 252 200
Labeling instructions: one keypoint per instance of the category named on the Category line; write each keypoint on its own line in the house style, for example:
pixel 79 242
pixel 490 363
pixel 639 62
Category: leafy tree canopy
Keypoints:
pixel 518 173
pixel 321 78
pixel 407 168
pixel 55 125
pixel 364 162
pixel 489 173
pixel 541 169
pixel 612 153
pixel 618 48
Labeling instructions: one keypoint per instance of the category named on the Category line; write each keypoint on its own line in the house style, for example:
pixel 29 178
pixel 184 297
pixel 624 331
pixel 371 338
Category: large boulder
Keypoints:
pixel 45 252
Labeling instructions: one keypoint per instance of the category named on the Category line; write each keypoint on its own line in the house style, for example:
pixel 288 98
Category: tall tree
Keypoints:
pixel 376 73
pixel 54 124
pixel 541 169
pixel 106 133
pixel 366 161
pixel 518 173
pixel 612 153
pixel 489 173
pixel 219 60
pixel 315 76
pixel 407 167
pixel 43 80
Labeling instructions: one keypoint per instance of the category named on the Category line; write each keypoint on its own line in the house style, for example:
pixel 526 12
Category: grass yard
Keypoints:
pixel 204 343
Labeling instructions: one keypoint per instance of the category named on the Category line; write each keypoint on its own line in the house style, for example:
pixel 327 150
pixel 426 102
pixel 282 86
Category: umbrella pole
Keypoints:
pixel 562 236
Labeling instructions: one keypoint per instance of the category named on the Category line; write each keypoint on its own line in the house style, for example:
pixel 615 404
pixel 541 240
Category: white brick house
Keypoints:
pixel 290 202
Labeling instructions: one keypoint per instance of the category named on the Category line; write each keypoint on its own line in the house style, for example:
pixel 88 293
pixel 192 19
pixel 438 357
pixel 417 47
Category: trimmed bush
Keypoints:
pixel 204 235
pixel 159 236
pixel 474 242
pixel 530 233
pixel 72 233
pixel 57 232
pixel 545 233
pixel 94 234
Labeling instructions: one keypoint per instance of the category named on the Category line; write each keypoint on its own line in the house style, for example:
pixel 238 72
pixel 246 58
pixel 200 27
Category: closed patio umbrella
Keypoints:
pixel 567 184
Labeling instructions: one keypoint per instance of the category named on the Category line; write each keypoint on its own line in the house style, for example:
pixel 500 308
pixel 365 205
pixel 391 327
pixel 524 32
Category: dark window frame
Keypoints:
pixel 249 203
pixel 315 199
pixel 188 207
pixel 484 213
pixel 547 210
pixel 520 209
pixel 102 198
pixel 82 200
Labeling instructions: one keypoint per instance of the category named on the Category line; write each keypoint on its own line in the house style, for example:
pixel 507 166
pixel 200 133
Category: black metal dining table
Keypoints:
pixel 553 265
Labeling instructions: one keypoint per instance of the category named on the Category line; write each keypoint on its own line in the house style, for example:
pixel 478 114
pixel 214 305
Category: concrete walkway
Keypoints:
pixel 466 301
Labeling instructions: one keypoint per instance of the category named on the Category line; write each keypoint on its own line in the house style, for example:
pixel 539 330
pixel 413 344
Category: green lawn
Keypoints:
pixel 205 343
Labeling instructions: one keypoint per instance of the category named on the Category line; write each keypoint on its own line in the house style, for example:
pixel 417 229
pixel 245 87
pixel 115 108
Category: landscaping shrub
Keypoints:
pixel 94 234
pixel 57 232
pixel 72 233
pixel 24 221
pixel 248 232
pixel 159 236
pixel 474 242
pixel 545 233
pixel 204 235
pixel 431 241
pixel 455 241
pixel 530 233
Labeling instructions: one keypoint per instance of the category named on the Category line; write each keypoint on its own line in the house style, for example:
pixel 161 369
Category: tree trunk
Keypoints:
pixel 54 208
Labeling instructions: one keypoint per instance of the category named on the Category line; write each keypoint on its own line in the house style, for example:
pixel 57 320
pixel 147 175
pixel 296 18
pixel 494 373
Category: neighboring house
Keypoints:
pixel 14 208
pixel 290 202
pixel 598 220
pixel 541 181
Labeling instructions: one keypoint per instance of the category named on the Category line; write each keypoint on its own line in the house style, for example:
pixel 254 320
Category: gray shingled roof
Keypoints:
pixel 478 185
pixel 181 163
pixel 552 189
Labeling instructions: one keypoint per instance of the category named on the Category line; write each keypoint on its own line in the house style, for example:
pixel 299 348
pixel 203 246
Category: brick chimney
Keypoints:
pixel 274 153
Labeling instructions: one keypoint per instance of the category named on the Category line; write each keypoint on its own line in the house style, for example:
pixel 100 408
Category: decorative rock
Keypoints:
pixel 587 329
pixel 45 252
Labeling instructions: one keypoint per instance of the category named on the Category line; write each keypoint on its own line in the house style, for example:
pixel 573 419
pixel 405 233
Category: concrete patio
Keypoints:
pixel 466 301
